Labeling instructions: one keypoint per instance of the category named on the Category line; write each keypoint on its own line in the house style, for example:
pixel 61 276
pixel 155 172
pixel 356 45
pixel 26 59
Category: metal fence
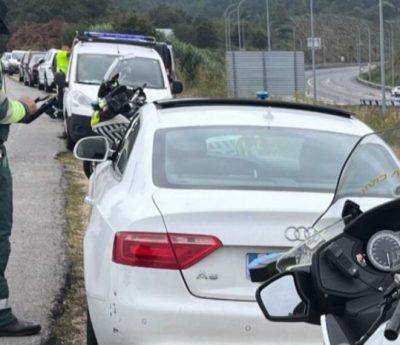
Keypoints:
pixel 281 73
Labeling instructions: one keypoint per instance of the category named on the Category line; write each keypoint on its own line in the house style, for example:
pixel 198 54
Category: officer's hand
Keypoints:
pixel 30 103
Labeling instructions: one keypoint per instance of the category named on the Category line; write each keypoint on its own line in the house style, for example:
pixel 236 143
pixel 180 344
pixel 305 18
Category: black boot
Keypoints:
pixel 19 328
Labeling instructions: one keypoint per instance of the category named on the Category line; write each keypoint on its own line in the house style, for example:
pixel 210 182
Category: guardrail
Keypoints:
pixel 371 84
pixel 377 102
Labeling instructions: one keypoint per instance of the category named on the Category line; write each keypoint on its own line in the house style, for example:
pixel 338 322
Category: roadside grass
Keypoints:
pixel 374 118
pixel 70 326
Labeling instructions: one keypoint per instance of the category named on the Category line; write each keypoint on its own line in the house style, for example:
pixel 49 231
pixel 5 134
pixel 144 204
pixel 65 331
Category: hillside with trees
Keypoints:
pixel 364 9
pixel 199 27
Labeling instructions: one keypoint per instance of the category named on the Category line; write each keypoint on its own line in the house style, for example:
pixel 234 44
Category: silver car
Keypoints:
pixel 46 71
pixel 5 59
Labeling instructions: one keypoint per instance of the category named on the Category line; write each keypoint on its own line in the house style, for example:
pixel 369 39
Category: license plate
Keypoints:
pixel 252 257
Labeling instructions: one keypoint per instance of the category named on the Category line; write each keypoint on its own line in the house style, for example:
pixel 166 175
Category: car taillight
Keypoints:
pixel 169 251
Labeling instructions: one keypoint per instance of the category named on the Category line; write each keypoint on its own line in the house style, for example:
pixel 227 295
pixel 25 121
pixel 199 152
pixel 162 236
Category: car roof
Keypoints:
pixel 115 49
pixel 236 112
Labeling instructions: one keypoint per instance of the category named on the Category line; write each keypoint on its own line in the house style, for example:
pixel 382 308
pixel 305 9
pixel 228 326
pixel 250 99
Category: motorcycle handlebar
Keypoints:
pixel 393 327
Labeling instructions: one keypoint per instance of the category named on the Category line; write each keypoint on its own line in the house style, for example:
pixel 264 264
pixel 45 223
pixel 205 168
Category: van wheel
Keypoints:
pixel 90 336
pixel 47 88
pixel 88 168
pixel 70 142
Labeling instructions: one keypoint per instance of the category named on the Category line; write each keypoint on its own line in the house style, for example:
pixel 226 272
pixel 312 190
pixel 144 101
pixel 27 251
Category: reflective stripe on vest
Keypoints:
pixel 15 113
pixel 4 304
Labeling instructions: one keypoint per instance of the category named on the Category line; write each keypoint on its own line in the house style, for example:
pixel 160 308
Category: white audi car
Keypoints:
pixel 197 190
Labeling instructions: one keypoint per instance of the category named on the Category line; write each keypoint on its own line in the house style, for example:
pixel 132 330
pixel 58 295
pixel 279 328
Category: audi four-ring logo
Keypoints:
pixel 300 233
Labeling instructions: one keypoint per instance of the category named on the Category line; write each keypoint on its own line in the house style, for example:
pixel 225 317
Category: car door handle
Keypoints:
pixel 90 201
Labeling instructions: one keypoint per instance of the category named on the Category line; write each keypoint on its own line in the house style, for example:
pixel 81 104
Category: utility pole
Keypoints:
pixel 369 54
pixel 238 22
pixel 392 51
pixel 313 50
pixel 227 38
pixel 382 48
pixel 229 28
pixel 268 26
pixel 359 50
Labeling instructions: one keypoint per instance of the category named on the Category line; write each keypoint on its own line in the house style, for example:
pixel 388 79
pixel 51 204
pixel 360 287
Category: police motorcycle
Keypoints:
pixel 346 277
pixel 118 103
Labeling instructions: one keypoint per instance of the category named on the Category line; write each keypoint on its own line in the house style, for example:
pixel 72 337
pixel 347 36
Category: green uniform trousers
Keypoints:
pixel 6 214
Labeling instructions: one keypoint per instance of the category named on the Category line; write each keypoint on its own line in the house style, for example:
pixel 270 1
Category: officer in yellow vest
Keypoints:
pixel 10 112
pixel 62 60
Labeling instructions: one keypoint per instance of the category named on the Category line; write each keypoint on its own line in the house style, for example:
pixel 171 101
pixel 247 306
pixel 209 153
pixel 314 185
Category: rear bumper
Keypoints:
pixel 151 307
pixel 13 68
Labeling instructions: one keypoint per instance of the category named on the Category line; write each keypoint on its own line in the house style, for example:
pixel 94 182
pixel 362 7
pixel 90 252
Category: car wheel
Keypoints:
pixel 47 88
pixel 40 86
pixel 90 336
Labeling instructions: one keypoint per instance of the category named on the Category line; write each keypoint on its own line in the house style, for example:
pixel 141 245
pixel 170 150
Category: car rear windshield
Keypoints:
pixel 139 71
pixel 35 59
pixel 259 158
pixel 92 68
pixel 18 55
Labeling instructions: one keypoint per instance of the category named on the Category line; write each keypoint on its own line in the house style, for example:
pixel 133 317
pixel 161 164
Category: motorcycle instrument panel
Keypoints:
pixel 383 251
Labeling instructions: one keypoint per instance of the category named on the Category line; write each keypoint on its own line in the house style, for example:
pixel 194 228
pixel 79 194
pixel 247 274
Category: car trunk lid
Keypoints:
pixel 248 223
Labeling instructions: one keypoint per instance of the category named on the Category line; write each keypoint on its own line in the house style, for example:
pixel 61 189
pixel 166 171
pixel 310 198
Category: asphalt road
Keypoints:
pixel 37 267
pixel 339 86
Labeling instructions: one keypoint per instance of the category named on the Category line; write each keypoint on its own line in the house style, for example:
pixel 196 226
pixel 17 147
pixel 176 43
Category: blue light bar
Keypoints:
pixel 122 37
pixel 262 95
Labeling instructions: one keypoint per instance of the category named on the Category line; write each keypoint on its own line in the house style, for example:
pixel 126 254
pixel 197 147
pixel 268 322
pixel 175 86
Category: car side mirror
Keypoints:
pixel 92 149
pixel 281 298
pixel 176 87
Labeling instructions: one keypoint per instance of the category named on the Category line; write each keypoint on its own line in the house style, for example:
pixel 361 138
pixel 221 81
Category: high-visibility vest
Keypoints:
pixel 10 111
pixel 62 61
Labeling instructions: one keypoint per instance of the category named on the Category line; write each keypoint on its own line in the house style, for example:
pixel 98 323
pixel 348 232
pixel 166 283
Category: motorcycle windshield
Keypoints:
pixel 370 177
pixel 133 70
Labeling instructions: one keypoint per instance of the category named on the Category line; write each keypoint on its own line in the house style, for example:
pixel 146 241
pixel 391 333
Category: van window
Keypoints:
pixel 92 68
pixel 137 71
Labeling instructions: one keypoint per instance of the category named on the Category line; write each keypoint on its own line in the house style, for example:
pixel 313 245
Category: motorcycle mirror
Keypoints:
pixel 92 149
pixel 281 299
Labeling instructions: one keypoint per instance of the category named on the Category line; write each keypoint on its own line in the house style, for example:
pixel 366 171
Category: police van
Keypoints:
pixel 91 56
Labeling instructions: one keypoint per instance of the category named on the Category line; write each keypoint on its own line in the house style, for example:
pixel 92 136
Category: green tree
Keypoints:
pixel 167 16
pixel 206 34
pixel 131 23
